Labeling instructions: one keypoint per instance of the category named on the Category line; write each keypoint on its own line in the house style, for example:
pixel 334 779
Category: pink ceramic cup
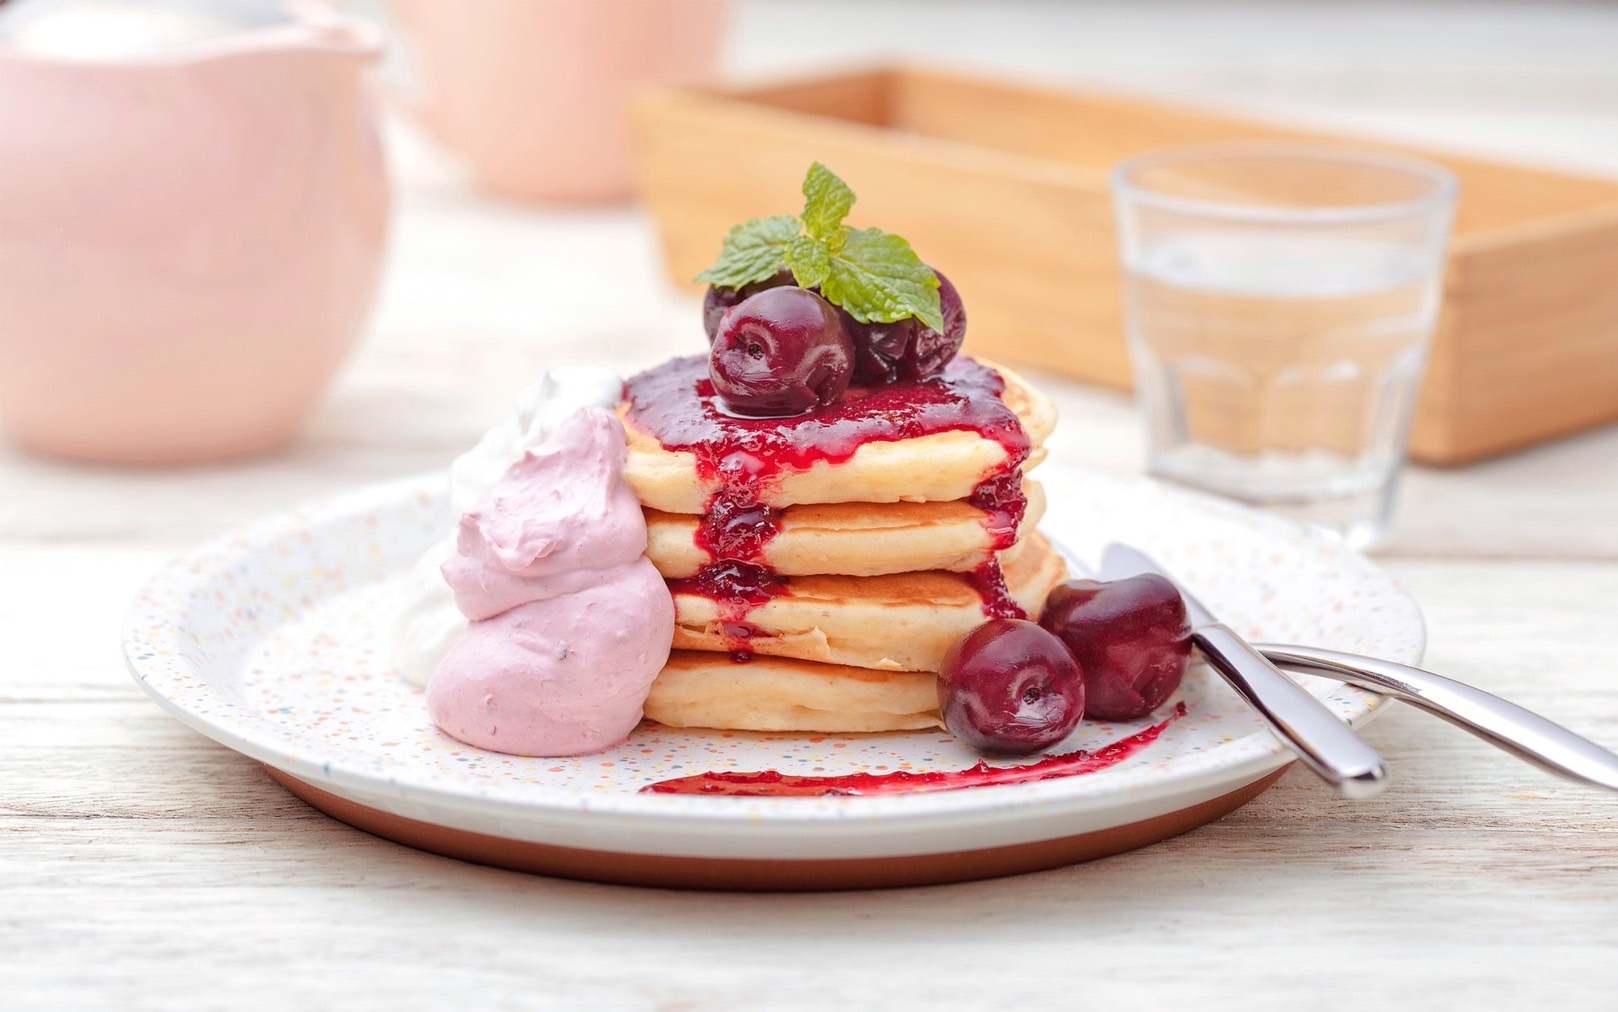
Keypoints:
pixel 535 93
pixel 189 242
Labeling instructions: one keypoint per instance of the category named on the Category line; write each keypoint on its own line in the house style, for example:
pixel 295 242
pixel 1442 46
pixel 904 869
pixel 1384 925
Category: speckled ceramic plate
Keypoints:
pixel 272 641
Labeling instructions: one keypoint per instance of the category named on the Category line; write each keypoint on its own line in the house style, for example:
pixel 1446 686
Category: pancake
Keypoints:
pixel 698 689
pixel 898 622
pixel 941 466
pixel 849 539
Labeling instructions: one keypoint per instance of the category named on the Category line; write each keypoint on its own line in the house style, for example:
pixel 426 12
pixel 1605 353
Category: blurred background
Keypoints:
pixel 480 284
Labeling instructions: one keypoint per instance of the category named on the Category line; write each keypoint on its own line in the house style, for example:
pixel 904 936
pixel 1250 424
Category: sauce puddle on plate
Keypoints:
pixel 771 783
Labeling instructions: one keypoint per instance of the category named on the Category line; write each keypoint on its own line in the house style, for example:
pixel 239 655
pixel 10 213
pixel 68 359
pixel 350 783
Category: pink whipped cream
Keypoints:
pixel 569 622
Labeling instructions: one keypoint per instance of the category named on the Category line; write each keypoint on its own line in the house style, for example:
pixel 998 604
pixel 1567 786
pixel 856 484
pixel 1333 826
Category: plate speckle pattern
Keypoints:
pixel 273 642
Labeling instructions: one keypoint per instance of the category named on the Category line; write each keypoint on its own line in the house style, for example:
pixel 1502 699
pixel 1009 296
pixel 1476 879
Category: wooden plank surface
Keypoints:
pixel 142 866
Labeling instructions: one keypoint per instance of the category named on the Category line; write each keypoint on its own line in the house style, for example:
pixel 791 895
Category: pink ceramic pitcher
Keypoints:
pixel 190 240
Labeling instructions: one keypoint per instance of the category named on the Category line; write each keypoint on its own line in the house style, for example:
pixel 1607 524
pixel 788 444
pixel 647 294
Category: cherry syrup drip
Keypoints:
pixel 1002 500
pixel 737 588
pixel 771 783
pixel 733 531
pixel 989 580
pixel 675 403
pixel 736 526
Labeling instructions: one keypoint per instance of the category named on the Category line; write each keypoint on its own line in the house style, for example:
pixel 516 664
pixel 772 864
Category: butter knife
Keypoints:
pixel 1325 744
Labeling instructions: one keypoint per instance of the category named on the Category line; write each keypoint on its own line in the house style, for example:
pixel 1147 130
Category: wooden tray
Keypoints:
pixel 1006 184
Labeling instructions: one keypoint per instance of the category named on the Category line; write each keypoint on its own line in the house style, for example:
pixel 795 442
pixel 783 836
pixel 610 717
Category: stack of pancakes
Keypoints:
pixel 878 553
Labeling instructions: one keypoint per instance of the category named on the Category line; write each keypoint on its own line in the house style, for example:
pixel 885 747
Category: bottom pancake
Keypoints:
pixel 703 689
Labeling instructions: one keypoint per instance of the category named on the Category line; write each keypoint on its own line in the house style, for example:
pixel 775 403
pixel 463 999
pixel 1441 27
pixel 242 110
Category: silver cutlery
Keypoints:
pixel 1503 724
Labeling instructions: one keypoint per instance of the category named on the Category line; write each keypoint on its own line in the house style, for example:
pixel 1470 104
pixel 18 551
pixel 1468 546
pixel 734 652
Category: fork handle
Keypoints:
pixel 1503 724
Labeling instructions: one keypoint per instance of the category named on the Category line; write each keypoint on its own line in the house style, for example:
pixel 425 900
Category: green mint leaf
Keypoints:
pixel 826 201
pixel 752 252
pixel 878 278
pixel 809 261
pixel 872 274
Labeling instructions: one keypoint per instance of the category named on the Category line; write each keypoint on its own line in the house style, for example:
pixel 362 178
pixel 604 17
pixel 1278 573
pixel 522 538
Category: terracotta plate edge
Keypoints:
pixel 763 875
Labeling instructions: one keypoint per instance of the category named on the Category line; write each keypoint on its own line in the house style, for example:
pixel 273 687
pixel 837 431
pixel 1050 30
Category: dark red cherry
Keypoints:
pixel 717 300
pixel 908 350
pixel 781 352
pixel 1130 637
pixel 1009 687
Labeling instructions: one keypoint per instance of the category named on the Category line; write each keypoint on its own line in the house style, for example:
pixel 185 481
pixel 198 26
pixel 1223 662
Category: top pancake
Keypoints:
pixel 945 465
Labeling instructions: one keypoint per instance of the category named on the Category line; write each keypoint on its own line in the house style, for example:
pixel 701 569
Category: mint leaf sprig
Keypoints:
pixel 874 275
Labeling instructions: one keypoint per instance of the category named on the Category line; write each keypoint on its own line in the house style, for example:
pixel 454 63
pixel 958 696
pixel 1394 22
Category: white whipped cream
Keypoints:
pixel 569 622
pixel 429 623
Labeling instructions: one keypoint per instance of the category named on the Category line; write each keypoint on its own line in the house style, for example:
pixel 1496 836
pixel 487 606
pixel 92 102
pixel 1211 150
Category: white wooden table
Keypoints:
pixel 143 866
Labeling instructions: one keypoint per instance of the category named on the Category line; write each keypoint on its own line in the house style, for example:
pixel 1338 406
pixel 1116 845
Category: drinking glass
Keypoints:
pixel 1279 301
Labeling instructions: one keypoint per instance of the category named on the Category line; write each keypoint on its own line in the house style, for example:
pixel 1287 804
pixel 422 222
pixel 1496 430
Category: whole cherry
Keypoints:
pixel 779 353
pixel 1130 637
pixel 717 300
pixel 1011 688
pixel 908 349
